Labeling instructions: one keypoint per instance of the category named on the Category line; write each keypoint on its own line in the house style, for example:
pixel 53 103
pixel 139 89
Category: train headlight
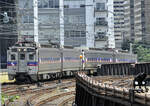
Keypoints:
pixel 143 82
pixel 19 50
pixel 24 50
pixel 136 83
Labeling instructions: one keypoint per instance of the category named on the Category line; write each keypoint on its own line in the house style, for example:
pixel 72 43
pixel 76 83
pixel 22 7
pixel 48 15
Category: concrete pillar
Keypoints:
pixel 148 68
pixel 93 101
pixel 108 70
pixel 118 68
pixel 112 73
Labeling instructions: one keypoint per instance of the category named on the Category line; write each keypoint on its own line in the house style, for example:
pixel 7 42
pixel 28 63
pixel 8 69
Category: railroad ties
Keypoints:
pixel 113 86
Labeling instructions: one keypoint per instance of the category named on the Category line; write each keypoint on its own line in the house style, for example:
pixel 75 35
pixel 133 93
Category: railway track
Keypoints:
pixel 118 81
pixel 43 97
pixel 51 93
pixel 56 99
pixel 26 92
pixel 68 101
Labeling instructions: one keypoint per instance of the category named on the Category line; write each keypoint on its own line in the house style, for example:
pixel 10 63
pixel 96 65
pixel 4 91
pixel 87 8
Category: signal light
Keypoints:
pixel 81 56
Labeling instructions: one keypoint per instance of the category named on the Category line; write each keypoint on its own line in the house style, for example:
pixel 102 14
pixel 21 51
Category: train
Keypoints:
pixel 28 61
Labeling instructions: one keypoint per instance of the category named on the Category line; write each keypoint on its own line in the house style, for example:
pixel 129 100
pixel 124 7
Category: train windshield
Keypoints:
pixel 22 56
pixel 13 57
pixel 31 57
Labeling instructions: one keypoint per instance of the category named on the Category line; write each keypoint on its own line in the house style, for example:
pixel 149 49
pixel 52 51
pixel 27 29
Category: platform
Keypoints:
pixel 4 76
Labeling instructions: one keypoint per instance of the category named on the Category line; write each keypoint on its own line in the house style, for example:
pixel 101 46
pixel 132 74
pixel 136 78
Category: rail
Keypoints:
pixel 113 91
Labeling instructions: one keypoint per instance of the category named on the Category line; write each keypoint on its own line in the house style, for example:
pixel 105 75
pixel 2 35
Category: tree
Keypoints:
pixel 143 54
pixel 126 45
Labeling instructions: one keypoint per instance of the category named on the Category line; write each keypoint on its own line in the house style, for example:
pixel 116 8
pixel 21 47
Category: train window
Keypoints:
pixel 31 57
pixel 22 56
pixel 30 50
pixel 13 57
pixel 14 50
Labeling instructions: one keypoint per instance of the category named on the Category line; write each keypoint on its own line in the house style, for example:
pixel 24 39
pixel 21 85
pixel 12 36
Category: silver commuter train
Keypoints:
pixel 27 62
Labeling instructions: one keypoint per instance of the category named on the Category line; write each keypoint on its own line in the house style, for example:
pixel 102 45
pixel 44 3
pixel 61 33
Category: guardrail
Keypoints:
pixel 114 91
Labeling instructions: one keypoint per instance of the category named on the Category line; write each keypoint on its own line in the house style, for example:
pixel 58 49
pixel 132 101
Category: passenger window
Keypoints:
pixel 13 57
pixel 31 57
pixel 22 56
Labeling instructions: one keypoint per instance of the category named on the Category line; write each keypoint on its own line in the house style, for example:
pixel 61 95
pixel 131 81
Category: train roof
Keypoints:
pixel 32 44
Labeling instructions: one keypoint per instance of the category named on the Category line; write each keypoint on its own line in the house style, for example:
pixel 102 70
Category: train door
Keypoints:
pixel 22 62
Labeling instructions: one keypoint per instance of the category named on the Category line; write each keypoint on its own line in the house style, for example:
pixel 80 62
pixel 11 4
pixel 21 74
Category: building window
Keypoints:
pixel 27 19
pixel 66 6
pixel 75 34
pixel 39 4
pixel 81 19
pixel 45 3
pixel 83 34
pixel 101 36
pixel 101 21
pixel 31 19
pixel 48 3
pixel 13 57
pixel 100 6
pixel 51 2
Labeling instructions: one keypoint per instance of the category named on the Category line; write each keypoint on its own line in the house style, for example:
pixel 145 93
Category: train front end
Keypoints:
pixel 22 62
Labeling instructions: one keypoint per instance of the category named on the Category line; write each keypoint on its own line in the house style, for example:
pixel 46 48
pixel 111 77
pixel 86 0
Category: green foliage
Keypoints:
pixel 140 48
pixel 10 98
pixel 3 98
pixel 143 53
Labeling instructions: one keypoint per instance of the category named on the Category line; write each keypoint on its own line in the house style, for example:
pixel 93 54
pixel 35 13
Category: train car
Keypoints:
pixel 28 62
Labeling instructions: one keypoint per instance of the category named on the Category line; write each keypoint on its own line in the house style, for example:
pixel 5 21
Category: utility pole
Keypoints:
pixel 130 48
pixel 82 57
pixel 61 34
pixel 83 60
pixel 62 59
pixel 35 8
pixel 61 20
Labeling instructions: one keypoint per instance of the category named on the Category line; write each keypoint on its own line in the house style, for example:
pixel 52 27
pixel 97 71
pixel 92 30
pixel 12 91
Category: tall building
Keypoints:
pixel 104 31
pixel 110 19
pixel 145 4
pixel 138 20
pixel 118 22
pixel 8 28
pixel 129 20
pixel 137 24
pixel 101 23
pixel 78 27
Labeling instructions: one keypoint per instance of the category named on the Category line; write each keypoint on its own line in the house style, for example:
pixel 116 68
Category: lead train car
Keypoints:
pixel 27 62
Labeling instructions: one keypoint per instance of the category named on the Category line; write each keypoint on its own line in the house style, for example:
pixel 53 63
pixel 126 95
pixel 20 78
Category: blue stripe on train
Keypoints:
pixel 9 63
pixel 32 63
